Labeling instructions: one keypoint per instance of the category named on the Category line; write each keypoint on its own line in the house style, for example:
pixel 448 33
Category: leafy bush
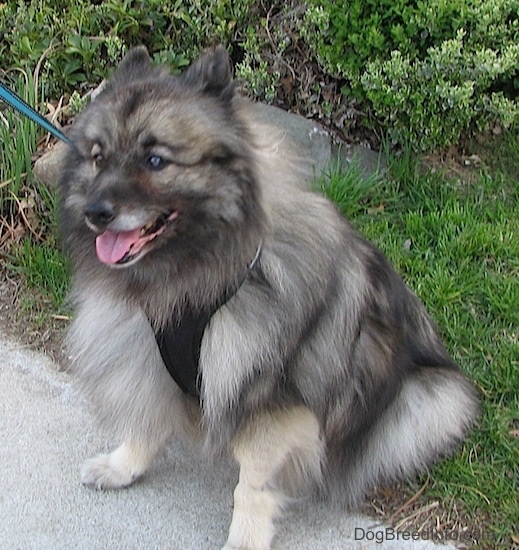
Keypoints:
pixel 259 78
pixel 428 70
pixel 431 102
pixel 346 37
pixel 79 41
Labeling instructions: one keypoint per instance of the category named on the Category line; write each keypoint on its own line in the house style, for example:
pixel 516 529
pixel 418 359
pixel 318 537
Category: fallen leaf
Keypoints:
pixel 288 84
pixel 374 210
pixel 472 160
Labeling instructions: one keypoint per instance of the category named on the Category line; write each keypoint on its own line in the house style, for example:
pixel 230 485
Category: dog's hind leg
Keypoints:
pixel 267 445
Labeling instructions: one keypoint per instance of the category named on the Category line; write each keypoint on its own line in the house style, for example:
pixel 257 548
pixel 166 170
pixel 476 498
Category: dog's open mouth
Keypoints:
pixel 117 248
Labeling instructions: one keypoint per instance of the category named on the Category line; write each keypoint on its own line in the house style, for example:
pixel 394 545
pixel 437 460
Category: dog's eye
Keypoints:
pixel 96 153
pixel 156 162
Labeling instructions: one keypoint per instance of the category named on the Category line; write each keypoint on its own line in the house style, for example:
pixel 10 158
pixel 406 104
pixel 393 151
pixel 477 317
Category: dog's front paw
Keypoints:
pixel 104 471
pixel 231 546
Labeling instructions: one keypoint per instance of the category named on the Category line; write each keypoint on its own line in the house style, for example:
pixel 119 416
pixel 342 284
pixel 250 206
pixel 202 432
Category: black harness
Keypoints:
pixel 179 344
pixel 180 340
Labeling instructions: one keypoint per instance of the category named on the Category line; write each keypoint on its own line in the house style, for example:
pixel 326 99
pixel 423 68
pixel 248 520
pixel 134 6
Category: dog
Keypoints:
pixel 216 297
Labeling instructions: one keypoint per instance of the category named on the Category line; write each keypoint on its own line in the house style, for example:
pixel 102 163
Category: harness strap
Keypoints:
pixel 180 340
pixel 179 344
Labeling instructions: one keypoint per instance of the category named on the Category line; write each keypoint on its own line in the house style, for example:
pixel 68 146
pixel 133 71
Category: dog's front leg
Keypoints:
pixel 262 450
pixel 143 435
pixel 119 468
pixel 143 441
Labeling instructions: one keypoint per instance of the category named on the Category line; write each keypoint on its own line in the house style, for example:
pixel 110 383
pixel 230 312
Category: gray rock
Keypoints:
pixel 48 167
pixel 316 145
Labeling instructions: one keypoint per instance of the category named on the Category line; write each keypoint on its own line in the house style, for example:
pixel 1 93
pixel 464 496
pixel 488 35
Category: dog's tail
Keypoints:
pixel 431 414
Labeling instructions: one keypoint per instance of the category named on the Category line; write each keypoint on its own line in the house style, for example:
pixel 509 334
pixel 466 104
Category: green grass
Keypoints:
pixel 18 136
pixel 28 209
pixel 457 246
pixel 40 262
pixel 44 269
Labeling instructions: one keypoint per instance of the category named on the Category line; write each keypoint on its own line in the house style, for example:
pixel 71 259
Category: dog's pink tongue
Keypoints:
pixel 112 247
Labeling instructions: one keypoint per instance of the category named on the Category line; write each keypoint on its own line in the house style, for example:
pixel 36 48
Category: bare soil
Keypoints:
pixel 27 317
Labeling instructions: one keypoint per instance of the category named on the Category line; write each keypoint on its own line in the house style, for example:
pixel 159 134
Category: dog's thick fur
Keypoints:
pixel 321 365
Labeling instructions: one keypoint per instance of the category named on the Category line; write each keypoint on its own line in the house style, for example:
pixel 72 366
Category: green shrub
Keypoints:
pixel 257 77
pixel 80 41
pixel 429 103
pixel 345 36
pixel 428 71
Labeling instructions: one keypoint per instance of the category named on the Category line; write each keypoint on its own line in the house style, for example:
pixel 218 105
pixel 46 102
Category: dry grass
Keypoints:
pixel 408 508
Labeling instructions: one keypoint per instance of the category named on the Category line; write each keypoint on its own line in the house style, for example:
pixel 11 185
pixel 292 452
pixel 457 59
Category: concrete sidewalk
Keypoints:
pixel 184 502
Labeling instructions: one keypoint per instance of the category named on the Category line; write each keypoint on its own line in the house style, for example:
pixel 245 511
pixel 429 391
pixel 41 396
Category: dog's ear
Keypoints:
pixel 134 65
pixel 211 73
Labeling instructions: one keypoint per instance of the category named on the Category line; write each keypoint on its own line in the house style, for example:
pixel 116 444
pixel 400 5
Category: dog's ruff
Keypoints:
pixel 321 371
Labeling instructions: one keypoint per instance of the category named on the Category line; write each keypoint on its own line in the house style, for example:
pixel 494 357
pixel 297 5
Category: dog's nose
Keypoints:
pixel 100 212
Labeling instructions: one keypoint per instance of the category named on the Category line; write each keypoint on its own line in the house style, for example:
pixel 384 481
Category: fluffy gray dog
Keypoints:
pixel 214 294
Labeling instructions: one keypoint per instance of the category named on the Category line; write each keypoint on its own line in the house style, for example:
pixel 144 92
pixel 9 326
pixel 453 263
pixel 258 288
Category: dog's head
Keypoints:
pixel 159 162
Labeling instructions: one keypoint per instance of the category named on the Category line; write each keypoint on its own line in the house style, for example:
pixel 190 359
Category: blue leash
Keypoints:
pixel 19 104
